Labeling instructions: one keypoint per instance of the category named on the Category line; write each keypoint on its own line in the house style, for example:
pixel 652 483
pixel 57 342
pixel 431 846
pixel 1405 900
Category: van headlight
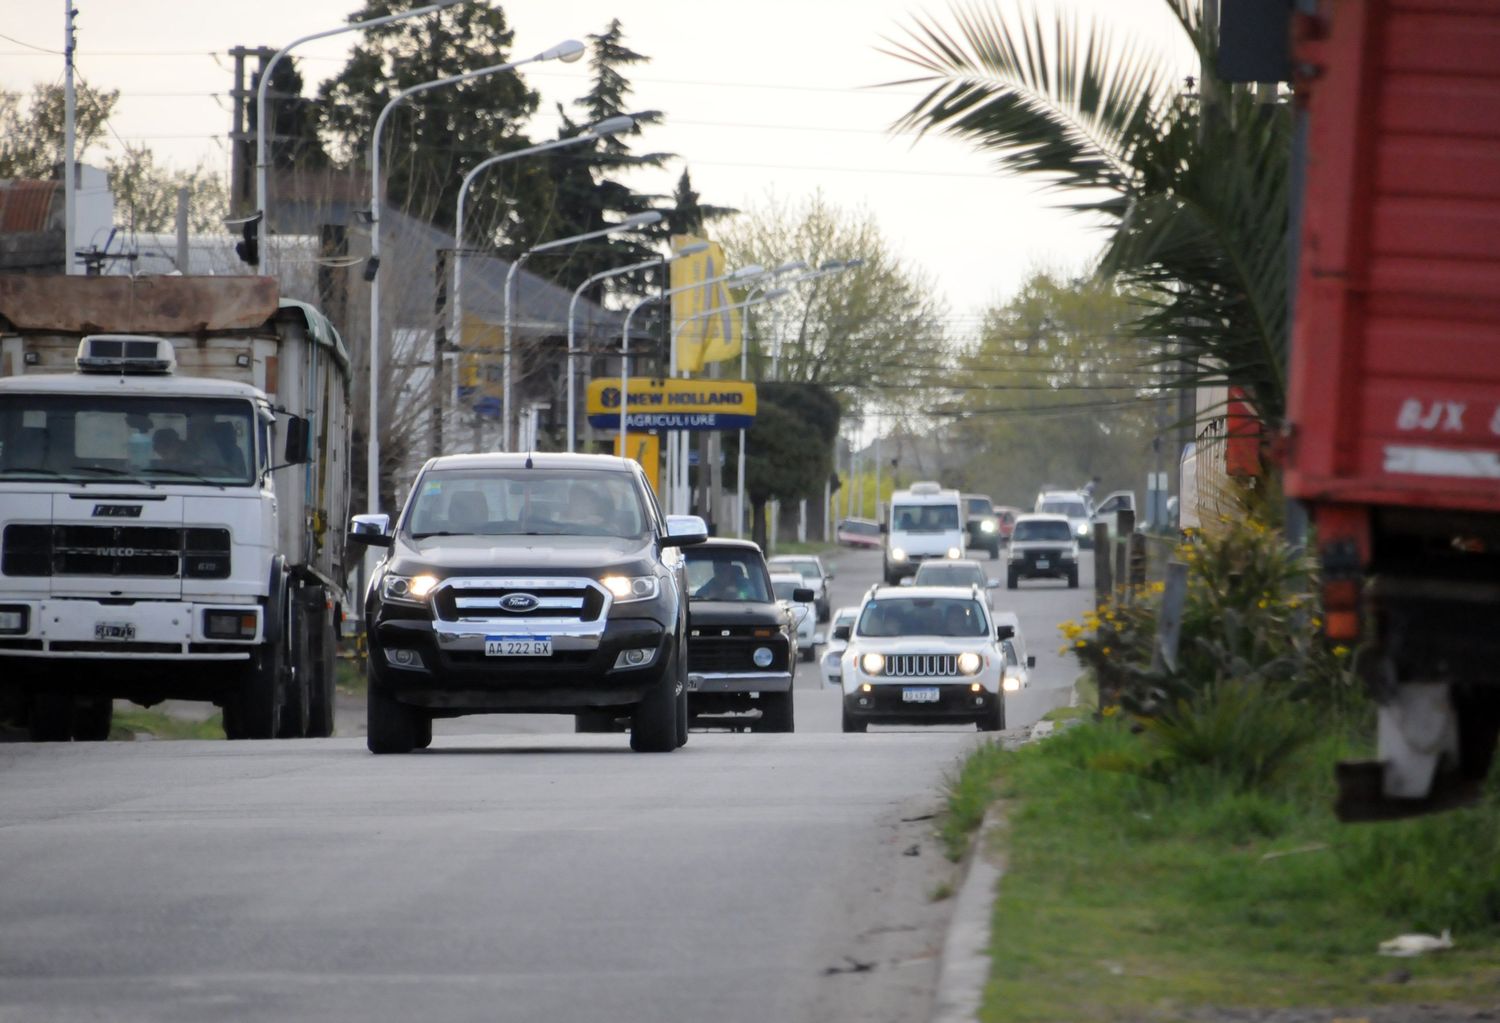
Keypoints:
pixel 627 588
pixel 969 663
pixel 872 664
pixel 897 554
pixel 411 589
pixel 955 552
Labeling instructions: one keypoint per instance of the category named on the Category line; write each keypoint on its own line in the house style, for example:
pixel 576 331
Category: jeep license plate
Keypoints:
pixel 518 646
pixel 924 695
pixel 122 631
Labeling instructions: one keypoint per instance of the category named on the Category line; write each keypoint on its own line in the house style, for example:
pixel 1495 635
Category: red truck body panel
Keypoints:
pixel 1395 372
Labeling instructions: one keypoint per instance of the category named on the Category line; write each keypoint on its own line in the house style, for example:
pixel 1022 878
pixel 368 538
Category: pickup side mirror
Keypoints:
pixel 841 632
pixel 804 595
pixel 684 531
pixel 298 433
pixel 371 530
pixel 1004 631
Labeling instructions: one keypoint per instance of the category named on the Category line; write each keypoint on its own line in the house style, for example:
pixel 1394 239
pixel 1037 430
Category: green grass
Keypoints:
pixel 1126 898
pixel 349 676
pixel 132 723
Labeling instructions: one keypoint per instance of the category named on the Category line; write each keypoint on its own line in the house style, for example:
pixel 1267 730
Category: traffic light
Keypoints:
pixel 249 249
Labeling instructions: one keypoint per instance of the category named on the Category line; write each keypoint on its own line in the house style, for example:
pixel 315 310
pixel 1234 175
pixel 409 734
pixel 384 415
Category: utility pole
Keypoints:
pixel 70 170
pixel 241 138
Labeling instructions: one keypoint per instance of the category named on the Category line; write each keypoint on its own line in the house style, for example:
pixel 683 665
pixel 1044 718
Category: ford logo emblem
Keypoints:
pixel 519 602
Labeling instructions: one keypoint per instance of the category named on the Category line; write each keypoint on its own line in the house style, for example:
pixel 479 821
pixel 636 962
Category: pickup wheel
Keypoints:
pixel 1012 580
pixel 92 717
pixel 653 725
pixel 854 723
pixel 391 726
pixel 252 710
pixel 1073 578
pixel 682 718
pixel 777 712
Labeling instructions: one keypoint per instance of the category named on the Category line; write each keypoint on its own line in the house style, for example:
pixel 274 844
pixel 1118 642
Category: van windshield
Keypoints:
pixel 924 518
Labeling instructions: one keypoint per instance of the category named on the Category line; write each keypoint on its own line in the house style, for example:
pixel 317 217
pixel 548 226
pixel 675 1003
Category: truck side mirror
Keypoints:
pixel 297 435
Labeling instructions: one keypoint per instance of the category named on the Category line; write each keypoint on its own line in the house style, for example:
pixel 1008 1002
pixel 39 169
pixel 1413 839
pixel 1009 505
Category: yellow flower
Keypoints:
pixel 1105 651
pixel 1080 644
pixel 1263 603
pixel 1158 587
pixel 1317 623
pixel 1341 651
pixel 1110 712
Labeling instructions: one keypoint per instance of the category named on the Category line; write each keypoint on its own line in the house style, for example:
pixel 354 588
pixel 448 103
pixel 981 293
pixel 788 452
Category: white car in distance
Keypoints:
pixel 840 626
pixel 804 616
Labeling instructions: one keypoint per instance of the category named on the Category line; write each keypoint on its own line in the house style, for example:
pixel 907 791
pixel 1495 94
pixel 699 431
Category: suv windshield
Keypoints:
pixel 1072 509
pixel 1050 530
pixel 923 616
pixel 526 502
pixel 935 573
pixel 737 575
pixel 924 518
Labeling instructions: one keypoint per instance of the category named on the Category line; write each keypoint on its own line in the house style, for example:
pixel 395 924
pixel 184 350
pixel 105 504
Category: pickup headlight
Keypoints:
pixel 410 589
pixel 626 588
pixel 1083 529
pixel 872 664
pixel 897 554
pixel 969 662
pixel 987 526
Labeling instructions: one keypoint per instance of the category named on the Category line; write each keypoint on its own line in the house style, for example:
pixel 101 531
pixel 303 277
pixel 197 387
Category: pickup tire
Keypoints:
pixel 390 725
pixel 1012 580
pixel 682 717
pixel 854 723
pixel 777 713
pixel 653 725
pixel 1073 578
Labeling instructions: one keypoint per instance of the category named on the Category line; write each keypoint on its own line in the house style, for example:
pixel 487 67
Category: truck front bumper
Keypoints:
pixel 155 630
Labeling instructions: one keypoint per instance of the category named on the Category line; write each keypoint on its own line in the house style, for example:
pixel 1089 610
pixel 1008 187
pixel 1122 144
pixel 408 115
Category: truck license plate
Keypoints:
pixel 123 631
pixel 518 646
pixel 925 695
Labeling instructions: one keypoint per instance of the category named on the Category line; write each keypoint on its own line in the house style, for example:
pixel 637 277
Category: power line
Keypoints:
pixel 29 46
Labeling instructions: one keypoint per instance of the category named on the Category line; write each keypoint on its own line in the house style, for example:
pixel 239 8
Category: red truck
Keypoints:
pixel 1393 433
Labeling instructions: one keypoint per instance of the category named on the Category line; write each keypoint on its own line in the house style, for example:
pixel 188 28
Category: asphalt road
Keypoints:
pixel 498 876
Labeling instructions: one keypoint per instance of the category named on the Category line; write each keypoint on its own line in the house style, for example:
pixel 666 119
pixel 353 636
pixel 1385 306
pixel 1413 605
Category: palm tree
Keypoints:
pixel 1195 192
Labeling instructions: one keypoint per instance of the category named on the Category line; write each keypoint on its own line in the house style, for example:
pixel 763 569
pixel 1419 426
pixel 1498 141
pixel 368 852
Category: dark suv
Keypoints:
pixel 982 524
pixel 741 645
pixel 536 584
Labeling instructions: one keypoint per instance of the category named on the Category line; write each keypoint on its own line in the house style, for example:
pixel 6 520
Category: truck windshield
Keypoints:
pixel 526 502
pixel 147 438
pixel 924 518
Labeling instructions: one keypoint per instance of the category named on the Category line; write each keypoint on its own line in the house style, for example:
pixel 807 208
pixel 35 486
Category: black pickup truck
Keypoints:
pixel 532 584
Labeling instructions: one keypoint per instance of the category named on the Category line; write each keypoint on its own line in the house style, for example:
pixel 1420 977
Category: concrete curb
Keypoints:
pixel 966 947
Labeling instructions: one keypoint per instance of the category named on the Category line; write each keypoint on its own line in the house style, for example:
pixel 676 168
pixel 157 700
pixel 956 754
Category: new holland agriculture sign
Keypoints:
pixel 673 404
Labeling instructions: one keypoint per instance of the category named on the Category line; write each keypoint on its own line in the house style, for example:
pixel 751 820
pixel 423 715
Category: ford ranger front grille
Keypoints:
pixel 517 600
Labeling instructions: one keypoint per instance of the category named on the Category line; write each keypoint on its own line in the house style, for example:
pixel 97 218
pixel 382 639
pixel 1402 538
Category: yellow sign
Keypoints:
pixel 646 449
pixel 706 331
pixel 673 404
pixel 480 379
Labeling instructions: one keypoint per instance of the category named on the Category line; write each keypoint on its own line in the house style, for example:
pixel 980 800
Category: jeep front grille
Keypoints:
pixel 921 665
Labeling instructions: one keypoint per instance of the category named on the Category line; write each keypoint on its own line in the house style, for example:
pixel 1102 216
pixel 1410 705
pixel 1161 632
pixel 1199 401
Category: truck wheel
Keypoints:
pixel 391 726
pixel 297 671
pixel 1012 580
pixel 92 717
pixel 994 718
pixel 1072 578
pixel 323 692
pixel 853 723
pixel 653 725
pixel 777 712
pixel 253 710
pixel 50 718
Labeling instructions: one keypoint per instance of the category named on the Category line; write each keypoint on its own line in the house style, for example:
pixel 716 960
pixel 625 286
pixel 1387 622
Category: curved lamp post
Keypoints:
pixel 742 274
pixel 686 250
pixel 629 223
pixel 262 161
pixel 569 50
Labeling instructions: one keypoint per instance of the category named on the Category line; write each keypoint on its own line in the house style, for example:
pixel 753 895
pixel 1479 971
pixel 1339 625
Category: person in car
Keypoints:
pixel 728 582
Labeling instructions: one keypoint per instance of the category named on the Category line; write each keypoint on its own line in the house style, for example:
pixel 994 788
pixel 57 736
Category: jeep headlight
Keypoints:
pixel 625 588
pixel 897 554
pixel 412 589
pixel 969 662
pixel 872 664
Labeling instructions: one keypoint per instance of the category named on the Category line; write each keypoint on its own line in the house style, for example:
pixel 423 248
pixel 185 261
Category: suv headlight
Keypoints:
pixel 625 588
pixel 408 589
pixel 969 662
pixel 872 664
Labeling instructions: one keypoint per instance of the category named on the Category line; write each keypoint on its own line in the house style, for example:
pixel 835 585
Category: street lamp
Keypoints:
pixel 742 274
pixel 686 250
pixel 261 130
pixel 568 50
pixel 628 224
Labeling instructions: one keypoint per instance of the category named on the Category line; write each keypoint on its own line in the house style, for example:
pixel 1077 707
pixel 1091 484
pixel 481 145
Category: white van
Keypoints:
pixel 926 522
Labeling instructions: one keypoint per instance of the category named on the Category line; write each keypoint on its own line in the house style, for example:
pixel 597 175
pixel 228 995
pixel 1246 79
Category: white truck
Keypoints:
pixel 926 522
pixel 174 482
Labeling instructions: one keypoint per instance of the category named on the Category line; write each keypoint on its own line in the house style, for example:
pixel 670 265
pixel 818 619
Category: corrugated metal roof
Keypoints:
pixel 26 205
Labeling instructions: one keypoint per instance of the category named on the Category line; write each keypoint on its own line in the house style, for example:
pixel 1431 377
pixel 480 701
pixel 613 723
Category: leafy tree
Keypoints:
pixel 780 463
pixel 1195 190
pixel 294 143
pixel 688 215
pixel 433 138
pixel 146 194
pixel 859 332
pixel 31 139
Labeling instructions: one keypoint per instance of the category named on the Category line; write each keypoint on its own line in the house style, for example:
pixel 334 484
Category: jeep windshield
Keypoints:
pixel 924 518
pixel 145 439
pixel 526 502
pixel 922 616
pixel 1050 530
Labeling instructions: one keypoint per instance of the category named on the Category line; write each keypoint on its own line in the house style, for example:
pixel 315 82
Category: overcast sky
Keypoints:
pixel 771 97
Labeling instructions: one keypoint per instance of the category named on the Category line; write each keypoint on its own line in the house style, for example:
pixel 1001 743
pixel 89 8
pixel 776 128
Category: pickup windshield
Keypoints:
pixel 139 439
pixel 726 574
pixel 526 502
